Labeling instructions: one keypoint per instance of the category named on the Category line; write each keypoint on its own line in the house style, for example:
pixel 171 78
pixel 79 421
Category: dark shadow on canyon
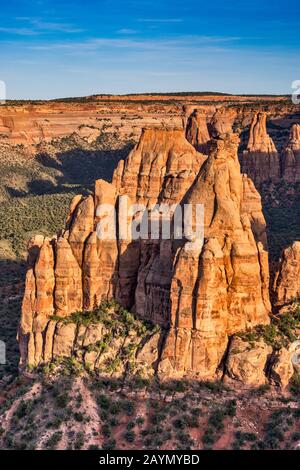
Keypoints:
pixel 74 169
pixel 11 293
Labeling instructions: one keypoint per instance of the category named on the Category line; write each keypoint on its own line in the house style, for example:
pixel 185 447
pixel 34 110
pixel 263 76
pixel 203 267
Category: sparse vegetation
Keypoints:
pixel 279 333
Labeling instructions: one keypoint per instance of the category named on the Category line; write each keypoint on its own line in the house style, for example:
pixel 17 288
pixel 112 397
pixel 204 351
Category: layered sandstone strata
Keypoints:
pixel 291 156
pixel 32 124
pixel 201 293
pixel 261 160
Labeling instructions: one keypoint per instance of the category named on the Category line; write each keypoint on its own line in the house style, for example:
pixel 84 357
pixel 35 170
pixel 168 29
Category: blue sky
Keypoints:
pixel 52 48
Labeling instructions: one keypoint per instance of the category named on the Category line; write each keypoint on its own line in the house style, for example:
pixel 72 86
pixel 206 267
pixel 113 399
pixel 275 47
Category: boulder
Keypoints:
pixel 246 362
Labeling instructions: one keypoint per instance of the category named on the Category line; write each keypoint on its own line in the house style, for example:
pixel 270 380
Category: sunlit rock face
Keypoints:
pixel 161 167
pixel 261 160
pixel 201 293
pixel 197 132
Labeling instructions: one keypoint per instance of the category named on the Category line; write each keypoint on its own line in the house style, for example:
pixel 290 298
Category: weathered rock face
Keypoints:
pixel 282 369
pixel 261 160
pixel 202 293
pixel 287 279
pixel 222 121
pixel 291 156
pixel 219 288
pixel 38 301
pixel 161 168
pixel 248 363
pixel 197 132
pixel 82 226
pixel 251 206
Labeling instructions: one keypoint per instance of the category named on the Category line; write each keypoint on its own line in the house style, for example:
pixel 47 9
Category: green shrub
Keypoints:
pixel 53 441
pixel 216 419
pixel 24 408
pixel 62 400
pixel 128 407
pixel 295 385
pixel 209 437
pixel 296 436
pixel 79 441
pixel 179 423
pixel 106 431
pixel 129 436
pixel 230 408
pixel 130 425
pixel 109 444
pixel 103 401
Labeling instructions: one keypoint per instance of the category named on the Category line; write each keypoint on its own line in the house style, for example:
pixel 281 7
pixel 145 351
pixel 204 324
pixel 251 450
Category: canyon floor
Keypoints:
pixel 70 412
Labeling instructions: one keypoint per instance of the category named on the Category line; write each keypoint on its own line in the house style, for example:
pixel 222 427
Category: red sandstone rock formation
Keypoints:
pixel 197 132
pixel 222 287
pixel 261 161
pixel 161 167
pixel 287 280
pixel 202 295
pixel 248 364
pixel 291 156
pixel 222 121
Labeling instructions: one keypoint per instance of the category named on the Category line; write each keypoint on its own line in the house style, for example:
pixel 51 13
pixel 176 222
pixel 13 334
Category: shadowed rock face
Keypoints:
pixel 261 160
pixel 201 294
pixel 287 280
pixel 291 156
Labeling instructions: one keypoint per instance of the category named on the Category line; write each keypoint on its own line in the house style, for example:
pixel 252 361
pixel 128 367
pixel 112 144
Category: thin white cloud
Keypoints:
pixel 55 26
pixel 127 31
pixel 34 26
pixel 160 20
pixel 19 31
pixel 190 42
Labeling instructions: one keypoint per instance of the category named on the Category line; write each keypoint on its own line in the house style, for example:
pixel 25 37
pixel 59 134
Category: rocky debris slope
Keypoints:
pixel 291 156
pixel 261 160
pixel 201 294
